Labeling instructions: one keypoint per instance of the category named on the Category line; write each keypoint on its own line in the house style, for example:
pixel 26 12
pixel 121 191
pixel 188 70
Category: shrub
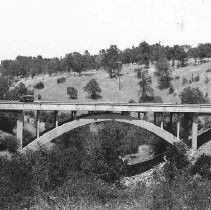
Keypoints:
pixel 206 80
pixel 61 80
pixel 72 92
pixel 93 89
pixel 30 92
pixel 196 78
pixel 9 143
pixel 208 70
pixel 171 89
pixel 132 101
pixel 39 97
pixel 202 166
pixel 39 85
pixel 177 77
pixel 184 81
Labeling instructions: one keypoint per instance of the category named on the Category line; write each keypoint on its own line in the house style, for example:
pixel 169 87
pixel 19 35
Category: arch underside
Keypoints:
pixel 60 130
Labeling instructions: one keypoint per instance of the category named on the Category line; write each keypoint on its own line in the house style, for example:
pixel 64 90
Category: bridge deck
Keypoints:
pixel 115 107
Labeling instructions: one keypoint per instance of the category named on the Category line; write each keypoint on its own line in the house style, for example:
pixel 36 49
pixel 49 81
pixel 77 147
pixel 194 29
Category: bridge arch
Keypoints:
pixel 60 130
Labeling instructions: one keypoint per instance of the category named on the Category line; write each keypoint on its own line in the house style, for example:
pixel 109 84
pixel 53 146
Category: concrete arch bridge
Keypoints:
pixel 153 108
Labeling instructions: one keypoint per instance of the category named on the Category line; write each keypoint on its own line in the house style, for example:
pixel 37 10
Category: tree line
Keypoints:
pixel 110 59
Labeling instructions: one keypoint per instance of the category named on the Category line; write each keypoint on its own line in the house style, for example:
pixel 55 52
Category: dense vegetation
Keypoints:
pixel 110 59
pixel 85 171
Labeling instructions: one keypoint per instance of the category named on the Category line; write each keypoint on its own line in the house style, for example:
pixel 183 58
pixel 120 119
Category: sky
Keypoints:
pixel 53 28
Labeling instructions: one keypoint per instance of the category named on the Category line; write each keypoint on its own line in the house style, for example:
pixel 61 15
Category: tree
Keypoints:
pixel 53 66
pixel 144 53
pixel 75 62
pixel 110 60
pixel 93 89
pixel 192 96
pixel 145 82
pixel 72 92
pixel 146 91
pixel 4 87
pixel 163 73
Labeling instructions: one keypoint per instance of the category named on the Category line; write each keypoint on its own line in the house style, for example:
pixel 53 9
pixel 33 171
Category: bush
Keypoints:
pixel 171 89
pixel 177 78
pixel 184 81
pixel 9 143
pixel 132 101
pixel 93 89
pixel 39 85
pixel 192 96
pixel 29 175
pixel 208 70
pixel 206 80
pixel 61 80
pixel 39 97
pixel 196 78
pixel 72 92
pixel 202 166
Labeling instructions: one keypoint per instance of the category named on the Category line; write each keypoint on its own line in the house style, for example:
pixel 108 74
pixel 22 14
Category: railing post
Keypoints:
pixel 38 124
pixel 56 120
pixel 19 132
pixel 194 132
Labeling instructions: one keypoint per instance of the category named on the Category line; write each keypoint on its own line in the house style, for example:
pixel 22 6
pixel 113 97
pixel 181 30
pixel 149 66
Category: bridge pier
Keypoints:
pixel 73 115
pixel 194 132
pixel 162 121
pixel 178 125
pixel 155 119
pixel 56 119
pixel 19 131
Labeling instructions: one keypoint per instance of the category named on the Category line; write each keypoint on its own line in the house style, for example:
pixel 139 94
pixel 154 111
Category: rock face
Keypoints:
pixel 8 142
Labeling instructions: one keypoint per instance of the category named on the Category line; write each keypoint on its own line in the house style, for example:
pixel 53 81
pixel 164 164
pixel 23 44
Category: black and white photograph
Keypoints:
pixel 105 104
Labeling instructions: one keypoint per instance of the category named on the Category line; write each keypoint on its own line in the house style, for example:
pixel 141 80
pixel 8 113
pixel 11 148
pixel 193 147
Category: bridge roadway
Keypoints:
pixel 107 106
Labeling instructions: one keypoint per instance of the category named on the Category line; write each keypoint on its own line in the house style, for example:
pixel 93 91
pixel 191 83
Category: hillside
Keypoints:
pixel 129 83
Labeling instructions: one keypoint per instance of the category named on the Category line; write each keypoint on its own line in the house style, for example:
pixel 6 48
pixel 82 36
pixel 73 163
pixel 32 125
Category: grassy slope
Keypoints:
pixel 129 82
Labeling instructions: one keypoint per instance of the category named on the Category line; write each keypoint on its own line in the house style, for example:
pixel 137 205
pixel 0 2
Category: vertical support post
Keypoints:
pixel 145 116
pixel 171 118
pixel 194 132
pixel 155 113
pixel 74 115
pixel 38 124
pixel 56 120
pixel 171 122
pixel 178 125
pixel 161 123
pixel 139 115
pixel 19 132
